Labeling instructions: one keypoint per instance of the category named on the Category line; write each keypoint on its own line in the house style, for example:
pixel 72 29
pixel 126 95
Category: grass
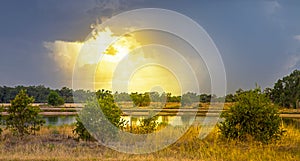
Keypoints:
pixel 57 143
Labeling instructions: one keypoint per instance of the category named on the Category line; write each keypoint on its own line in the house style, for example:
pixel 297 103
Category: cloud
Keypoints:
pixel 271 7
pixel 297 37
pixel 104 9
pixel 63 53
pixel 293 61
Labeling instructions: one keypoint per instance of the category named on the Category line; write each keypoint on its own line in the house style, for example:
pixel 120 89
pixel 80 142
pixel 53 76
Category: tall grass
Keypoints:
pixel 57 143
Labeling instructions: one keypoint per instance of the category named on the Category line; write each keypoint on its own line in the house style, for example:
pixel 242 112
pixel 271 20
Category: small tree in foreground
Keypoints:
pixel 101 117
pixel 253 116
pixel 22 117
pixel 147 125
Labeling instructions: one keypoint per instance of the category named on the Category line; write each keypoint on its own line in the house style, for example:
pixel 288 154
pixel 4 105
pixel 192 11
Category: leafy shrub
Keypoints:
pixel 22 117
pixel 81 131
pixel 54 99
pixel 147 125
pixel 253 116
pixel 101 117
pixel 141 99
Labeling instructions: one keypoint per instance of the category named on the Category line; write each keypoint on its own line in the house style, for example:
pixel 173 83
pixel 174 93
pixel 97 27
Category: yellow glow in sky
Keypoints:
pixel 151 77
pixel 98 58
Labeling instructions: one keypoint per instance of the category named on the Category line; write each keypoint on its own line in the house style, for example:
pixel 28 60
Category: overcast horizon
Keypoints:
pixel 259 41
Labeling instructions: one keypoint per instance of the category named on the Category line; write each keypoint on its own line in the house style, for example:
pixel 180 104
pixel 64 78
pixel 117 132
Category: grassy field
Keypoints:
pixel 57 143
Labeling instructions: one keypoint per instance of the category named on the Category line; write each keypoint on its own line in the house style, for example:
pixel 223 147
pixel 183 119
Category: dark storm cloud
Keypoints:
pixel 108 8
pixel 258 40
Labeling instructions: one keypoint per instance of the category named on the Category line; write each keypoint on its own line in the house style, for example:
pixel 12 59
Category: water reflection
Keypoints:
pixel 171 120
pixel 59 120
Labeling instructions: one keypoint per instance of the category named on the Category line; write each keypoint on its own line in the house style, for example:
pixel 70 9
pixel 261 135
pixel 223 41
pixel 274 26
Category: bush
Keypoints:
pixel 253 116
pixel 141 100
pixel 99 119
pixel 22 117
pixel 54 99
pixel 147 125
pixel 81 131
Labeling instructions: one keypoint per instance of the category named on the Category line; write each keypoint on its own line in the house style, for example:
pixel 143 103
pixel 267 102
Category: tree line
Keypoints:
pixel 41 94
pixel 285 93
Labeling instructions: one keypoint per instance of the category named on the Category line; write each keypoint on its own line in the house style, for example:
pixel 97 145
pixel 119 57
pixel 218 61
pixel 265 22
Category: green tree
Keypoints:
pixel 54 99
pixel 205 98
pixel 230 98
pixel 189 98
pixel 286 91
pixel 66 94
pixel 252 116
pixel 141 99
pixel 22 117
pixel 99 119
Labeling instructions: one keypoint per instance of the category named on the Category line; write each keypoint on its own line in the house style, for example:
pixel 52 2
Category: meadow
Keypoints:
pixel 58 143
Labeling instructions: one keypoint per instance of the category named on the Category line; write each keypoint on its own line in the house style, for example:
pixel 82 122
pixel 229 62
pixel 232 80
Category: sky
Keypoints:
pixel 259 41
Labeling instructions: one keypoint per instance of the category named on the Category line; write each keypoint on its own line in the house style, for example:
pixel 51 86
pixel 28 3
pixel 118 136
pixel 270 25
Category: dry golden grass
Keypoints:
pixel 57 143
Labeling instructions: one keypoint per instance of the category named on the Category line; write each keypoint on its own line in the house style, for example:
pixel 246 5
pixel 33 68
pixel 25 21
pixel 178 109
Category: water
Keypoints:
pixel 59 120
pixel 171 120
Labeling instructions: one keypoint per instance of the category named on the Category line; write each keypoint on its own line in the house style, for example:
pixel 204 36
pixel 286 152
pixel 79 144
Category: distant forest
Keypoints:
pixel 285 93
pixel 40 94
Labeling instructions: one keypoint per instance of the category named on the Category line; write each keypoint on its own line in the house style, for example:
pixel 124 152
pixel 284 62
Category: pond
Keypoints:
pixel 171 120
pixel 59 120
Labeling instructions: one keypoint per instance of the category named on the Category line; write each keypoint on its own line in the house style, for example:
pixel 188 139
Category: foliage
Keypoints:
pixel 147 125
pixel 205 98
pixel 141 99
pixel 40 93
pixel 189 98
pixel 122 97
pixel 230 98
pixel 66 94
pixel 252 116
pixel 22 117
pixel 286 91
pixel 81 131
pixel 101 117
pixel 174 99
pixel 54 99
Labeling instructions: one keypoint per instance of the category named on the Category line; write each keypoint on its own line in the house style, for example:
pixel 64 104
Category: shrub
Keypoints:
pixel 141 100
pixel 22 117
pixel 99 119
pixel 253 116
pixel 54 99
pixel 147 125
pixel 81 131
